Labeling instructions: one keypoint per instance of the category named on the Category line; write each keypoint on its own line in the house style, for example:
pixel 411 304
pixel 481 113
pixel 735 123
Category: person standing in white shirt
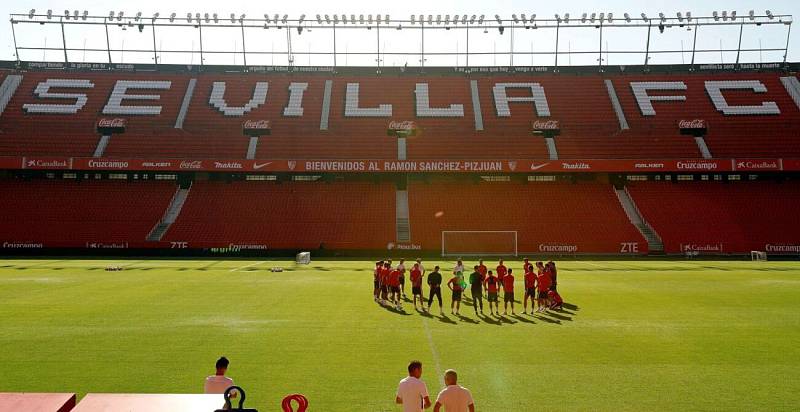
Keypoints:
pixel 454 398
pixel 412 392
pixel 218 383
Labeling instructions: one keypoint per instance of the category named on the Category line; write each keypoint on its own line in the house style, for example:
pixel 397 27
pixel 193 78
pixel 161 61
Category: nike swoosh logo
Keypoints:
pixel 535 167
pixel 259 166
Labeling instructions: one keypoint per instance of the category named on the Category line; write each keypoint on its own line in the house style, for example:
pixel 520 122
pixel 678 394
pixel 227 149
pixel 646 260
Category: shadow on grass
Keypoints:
pixel 446 319
pixel 490 320
pixel 393 309
pixel 467 319
pixel 546 319
pixel 505 319
pixel 522 319
pixel 558 316
pixel 571 306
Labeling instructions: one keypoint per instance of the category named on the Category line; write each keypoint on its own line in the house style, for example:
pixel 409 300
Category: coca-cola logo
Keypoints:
pixel 546 125
pixel 193 164
pixel 255 125
pixel 692 124
pixel 116 123
pixel 402 125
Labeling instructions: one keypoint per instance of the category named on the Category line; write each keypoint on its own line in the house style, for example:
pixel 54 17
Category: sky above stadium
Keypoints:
pixel 529 47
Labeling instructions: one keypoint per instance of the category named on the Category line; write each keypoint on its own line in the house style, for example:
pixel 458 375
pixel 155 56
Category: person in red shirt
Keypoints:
pixel 394 287
pixel 482 270
pixel 376 280
pixel 544 282
pixel 530 292
pixel 384 279
pixel 501 271
pixel 455 285
pixel 416 286
pixel 527 267
pixel 508 292
pixel 491 283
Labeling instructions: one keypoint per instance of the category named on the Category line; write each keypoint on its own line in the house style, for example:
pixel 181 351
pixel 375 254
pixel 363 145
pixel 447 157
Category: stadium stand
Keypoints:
pixel 719 217
pixel 61 212
pixel 290 215
pixel 549 217
pixel 210 126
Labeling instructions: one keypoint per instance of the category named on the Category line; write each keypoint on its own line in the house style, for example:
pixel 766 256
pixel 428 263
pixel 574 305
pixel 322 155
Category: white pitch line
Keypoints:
pixel 246 266
pixel 435 354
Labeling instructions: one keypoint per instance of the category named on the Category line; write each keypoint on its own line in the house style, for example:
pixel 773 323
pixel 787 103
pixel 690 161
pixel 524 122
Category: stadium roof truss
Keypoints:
pixel 203 27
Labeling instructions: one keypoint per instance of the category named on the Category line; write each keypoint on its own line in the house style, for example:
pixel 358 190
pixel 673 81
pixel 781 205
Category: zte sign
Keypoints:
pixel 179 245
pixel 629 247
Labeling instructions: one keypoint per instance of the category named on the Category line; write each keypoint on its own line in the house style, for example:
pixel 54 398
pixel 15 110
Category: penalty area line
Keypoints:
pixel 246 266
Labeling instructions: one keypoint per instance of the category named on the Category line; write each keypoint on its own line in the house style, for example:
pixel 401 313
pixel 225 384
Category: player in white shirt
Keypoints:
pixel 412 392
pixel 421 268
pixel 218 383
pixel 454 398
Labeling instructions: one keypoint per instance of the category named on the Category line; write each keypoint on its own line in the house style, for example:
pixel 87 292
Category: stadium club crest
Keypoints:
pixel 291 164
pixel 512 165
pixel 403 128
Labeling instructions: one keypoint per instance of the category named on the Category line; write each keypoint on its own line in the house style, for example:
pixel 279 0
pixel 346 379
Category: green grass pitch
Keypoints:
pixel 646 335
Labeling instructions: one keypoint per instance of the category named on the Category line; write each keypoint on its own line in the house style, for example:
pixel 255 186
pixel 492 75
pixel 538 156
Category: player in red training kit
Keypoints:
pixel 492 284
pixel 530 291
pixel 508 292
pixel 416 286
pixel 376 280
pixel 455 285
pixel 501 271
pixel 544 282
pixel 394 287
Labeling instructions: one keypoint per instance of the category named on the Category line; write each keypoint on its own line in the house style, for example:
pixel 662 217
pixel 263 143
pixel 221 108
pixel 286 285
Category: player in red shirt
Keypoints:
pixel 501 271
pixel 482 270
pixel 376 280
pixel 394 287
pixel 384 279
pixel 530 291
pixel 508 292
pixel 455 285
pixel 492 284
pixel 416 286
pixel 544 282
pixel 527 267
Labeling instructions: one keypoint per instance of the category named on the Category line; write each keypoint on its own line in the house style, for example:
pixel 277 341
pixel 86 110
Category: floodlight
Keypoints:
pixel 172 17
pixel 593 17
pixel 66 14
pixel 119 16
pixel 446 19
pixel 583 18
pixel 50 14
pixel 514 17
pixel 610 17
pixel 480 20
pixel 386 19
pixel 689 16
pixel 733 15
pixel 644 17
pixel 285 18
pixel 156 15
pixel 188 17
pixel 602 16
pixel 302 18
pixel 533 17
pixel 769 15
pixel 680 17
pixel 472 19
pixel 752 14
pixel 558 18
pixel 566 17
pixel 233 17
pixel 327 19
pixel 716 15
pixel 344 18
pixel 216 17
pixel 627 17
pixel 241 18
pixel 31 13
pixel 662 17
pixel 497 17
pixel 207 18
pixel 724 15
pixel 138 15
pixel 75 14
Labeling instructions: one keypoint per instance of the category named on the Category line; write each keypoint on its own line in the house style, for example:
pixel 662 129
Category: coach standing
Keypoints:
pixel 435 283
pixel 412 392
pixel 454 398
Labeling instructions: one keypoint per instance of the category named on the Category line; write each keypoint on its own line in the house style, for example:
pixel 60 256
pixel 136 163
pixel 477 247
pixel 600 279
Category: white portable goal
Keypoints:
pixel 303 258
pixel 758 256
pixel 479 243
